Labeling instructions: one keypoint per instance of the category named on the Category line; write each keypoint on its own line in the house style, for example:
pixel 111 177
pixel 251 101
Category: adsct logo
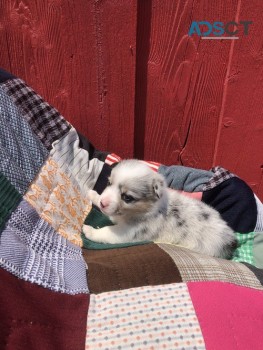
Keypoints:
pixel 217 30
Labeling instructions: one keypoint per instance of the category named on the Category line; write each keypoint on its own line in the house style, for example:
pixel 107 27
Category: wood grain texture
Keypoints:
pixel 185 78
pixel 240 134
pixel 80 56
pixel 185 112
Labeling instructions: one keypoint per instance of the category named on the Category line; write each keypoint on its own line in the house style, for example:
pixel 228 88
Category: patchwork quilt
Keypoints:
pixel 59 290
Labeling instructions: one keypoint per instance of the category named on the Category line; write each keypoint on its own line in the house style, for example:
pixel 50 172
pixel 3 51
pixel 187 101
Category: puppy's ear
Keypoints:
pixel 158 185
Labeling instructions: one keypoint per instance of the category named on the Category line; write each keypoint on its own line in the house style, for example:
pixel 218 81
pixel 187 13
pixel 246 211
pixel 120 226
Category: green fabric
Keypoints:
pixel 258 250
pixel 9 199
pixel 88 244
pixel 244 250
pixel 97 220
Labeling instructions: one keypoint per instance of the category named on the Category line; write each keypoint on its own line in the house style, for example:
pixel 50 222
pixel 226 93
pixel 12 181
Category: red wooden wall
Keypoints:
pixel 129 77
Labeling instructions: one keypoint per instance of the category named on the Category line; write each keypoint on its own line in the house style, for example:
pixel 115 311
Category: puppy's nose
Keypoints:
pixel 104 203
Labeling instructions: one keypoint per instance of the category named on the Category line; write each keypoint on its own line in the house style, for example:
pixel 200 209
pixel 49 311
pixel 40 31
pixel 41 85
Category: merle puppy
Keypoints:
pixel 138 201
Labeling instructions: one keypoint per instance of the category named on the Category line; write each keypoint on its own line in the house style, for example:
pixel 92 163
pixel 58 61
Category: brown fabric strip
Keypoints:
pixel 32 317
pixel 124 268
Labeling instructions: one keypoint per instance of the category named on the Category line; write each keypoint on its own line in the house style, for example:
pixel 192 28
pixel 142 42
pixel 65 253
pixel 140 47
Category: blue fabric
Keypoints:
pixel 22 154
pixel 184 178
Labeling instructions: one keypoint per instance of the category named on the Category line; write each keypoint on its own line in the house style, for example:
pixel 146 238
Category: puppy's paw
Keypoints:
pixel 93 196
pixel 88 231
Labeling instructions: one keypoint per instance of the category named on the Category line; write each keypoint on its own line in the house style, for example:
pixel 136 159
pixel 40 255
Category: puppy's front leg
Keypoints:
pixel 108 234
pixel 94 197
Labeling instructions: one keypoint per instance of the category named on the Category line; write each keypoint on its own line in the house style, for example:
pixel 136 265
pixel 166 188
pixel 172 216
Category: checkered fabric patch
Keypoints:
pixel 244 251
pixel 45 121
pixel 41 255
pixel 197 267
pixel 220 176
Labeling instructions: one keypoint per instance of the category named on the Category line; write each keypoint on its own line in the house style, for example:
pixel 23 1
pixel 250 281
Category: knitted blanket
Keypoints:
pixel 61 291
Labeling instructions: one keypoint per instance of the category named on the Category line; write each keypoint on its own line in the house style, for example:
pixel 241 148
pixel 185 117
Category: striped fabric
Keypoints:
pixel 153 165
pixel 112 159
pixel 75 161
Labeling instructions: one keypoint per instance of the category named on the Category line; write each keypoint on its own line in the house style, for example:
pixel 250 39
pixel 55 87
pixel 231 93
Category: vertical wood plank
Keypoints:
pixel 240 139
pixel 80 56
pixel 185 78
pixel 4 52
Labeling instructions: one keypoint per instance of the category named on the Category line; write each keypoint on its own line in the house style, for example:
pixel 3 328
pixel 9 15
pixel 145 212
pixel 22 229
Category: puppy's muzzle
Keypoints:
pixel 104 204
pixel 109 201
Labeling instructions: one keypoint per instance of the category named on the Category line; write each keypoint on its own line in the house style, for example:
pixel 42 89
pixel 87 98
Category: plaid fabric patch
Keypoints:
pixel 42 255
pixel 195 267
pixel 45 121
pixel 244 251
pixel 220 176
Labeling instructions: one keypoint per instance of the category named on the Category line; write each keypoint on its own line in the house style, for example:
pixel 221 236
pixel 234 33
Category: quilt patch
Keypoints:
pixel 22 154
pixel 59 201
pixel 32 250
pixel 44 120
pixel 75 162
pixel 159 317
pixel 224 322
pixel 244 250
pixel 33 317
pixel 197 267
pixel 9 199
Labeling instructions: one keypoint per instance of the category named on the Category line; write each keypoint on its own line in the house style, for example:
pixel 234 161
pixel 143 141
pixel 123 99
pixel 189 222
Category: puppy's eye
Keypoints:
pixel 126 198
pixel 109 182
